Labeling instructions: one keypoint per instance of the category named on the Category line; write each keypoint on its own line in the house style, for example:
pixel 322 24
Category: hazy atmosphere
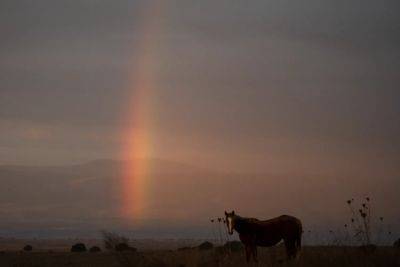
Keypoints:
pixel 215 105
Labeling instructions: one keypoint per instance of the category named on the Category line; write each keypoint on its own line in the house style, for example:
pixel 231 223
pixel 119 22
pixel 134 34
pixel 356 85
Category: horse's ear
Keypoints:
pixel 226 214
pixel 233 212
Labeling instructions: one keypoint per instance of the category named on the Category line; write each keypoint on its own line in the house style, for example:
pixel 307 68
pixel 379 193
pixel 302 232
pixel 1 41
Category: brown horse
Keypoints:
pixel 253 233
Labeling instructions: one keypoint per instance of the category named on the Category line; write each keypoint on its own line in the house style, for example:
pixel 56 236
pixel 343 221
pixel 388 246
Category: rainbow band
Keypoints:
pixel 137 139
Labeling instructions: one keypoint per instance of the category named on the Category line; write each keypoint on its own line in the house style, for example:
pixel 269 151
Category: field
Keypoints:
pixel 311 256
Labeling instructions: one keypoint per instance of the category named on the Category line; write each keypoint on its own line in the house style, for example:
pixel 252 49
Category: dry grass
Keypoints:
pixel 311 256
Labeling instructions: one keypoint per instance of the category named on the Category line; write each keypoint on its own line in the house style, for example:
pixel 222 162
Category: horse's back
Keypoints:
pixel 288 226
pixel 283 219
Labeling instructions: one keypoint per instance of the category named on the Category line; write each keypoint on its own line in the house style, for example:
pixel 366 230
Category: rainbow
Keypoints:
pixel 136 137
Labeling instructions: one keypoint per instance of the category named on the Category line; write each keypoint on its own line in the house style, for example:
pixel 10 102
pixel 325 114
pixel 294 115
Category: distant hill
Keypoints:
pixel 88 196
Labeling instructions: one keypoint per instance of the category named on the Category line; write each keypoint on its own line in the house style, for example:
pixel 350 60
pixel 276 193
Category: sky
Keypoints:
pixel 294 101
pixel 248 85
pixel 267 85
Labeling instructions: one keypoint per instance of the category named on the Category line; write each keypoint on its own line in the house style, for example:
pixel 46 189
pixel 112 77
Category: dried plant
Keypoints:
pixel 112 240
pixel 361 223
pixel 119 246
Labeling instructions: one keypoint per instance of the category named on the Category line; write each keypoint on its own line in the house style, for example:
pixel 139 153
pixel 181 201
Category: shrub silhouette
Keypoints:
pixel 112 241
pixel 95 249
pixel 79 247
pixel 396 243
pixel 206 245
pixel 121 247
pixel 28 248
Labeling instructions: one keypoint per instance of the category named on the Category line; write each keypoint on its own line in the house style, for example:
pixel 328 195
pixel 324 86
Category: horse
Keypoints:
pixel 253 232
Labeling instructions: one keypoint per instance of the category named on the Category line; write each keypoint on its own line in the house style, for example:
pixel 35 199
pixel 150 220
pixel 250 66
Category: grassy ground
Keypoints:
pixel 311 256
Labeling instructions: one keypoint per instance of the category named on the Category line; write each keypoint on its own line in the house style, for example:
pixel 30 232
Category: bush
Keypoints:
pixel 28 248
pixel 79 247
pixel 111 240
pixel 396 244
pixel 95 249
pixel 206 245
pixel 121 247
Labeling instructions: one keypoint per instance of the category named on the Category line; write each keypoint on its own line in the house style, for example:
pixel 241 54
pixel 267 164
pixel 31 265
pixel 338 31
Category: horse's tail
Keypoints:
pixel 299 234
pixel 298 242
pixel 298 239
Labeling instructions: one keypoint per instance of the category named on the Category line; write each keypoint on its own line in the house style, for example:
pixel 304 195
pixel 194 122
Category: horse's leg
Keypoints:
pixel 298 247
pixel 290 248
pixel 248 252
pixel 254 250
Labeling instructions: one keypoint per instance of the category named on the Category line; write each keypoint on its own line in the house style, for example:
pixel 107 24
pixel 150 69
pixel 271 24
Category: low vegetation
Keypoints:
pixel 206 246
pixel 78 247
pixel 27 248
pixel 95 249
pixel 311 256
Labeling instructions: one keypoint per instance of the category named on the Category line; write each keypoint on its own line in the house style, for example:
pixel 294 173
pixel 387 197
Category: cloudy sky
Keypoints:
pixel 238 85
pixel 296 101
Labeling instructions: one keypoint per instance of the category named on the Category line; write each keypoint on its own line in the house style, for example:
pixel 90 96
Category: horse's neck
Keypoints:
pixel 241 224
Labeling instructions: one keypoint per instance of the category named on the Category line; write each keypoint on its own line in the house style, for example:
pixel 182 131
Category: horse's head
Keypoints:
pixel 230 221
